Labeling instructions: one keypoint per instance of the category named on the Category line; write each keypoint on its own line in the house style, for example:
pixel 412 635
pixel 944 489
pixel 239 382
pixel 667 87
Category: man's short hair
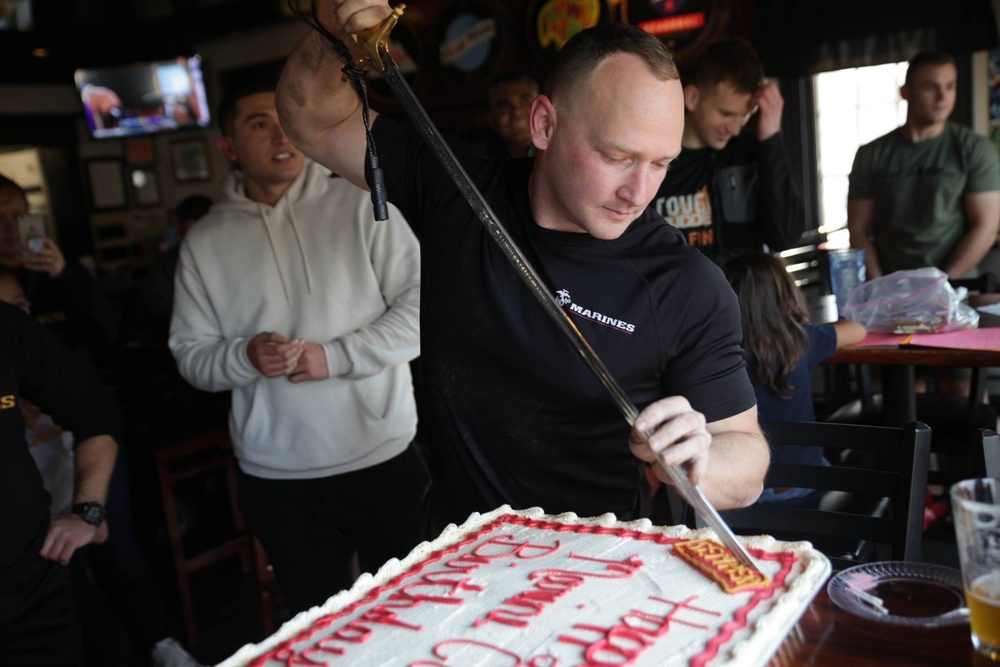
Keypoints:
pixel 732 60
pixel 936 58
pixel 228 104
pixel 589 48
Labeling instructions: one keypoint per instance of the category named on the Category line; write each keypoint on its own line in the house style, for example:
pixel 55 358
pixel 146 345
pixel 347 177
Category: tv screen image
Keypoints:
pixel 16 15
pixel 144 98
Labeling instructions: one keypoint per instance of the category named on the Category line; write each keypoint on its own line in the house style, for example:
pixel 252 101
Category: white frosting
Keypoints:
pixel 577 591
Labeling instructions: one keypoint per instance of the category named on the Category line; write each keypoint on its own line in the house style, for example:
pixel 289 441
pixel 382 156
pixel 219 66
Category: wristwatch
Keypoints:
pixel 91 512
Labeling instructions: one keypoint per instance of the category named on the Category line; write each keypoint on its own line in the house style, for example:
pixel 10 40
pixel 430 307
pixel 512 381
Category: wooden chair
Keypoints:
pixel 881 503
pixel 183 464
pixel 270 595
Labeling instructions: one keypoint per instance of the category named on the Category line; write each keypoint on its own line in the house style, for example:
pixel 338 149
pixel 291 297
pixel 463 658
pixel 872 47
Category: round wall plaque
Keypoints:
pixel 470 42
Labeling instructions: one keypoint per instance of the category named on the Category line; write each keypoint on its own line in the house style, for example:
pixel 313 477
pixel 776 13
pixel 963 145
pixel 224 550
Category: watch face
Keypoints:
pixel 92 513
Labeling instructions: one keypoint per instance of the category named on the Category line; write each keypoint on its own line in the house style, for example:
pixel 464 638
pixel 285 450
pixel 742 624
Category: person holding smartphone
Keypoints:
pixel 32 232
pixel 63 294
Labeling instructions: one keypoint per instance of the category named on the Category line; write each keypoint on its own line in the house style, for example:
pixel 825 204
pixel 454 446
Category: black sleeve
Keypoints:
pixel 72 394
pixel 415 180
pixel 781 212
pixel 709 368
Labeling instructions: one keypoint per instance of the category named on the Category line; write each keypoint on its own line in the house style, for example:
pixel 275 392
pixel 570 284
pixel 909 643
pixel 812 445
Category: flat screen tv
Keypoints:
pixel 143 98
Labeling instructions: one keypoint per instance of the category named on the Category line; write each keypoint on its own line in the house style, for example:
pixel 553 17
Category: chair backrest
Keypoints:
pixel 991 453
pixel 894 474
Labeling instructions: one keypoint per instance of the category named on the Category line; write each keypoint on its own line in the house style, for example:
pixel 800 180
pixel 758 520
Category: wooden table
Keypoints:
pixel 827 636
pixel 898 363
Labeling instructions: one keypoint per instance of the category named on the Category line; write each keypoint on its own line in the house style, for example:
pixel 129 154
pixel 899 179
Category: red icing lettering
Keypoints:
pixel 623 642
pixel 619 568
pixel 549 585
pixel 532 603
pixel 512 548
pixel 448 597
pixel 489 650
pixel 380 615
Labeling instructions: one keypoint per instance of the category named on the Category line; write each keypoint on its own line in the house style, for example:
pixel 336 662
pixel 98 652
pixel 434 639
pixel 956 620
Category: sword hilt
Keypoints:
pixel 375 41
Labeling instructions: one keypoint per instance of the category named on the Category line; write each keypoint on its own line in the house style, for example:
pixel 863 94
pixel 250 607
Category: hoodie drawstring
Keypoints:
pixel 302 251
pixel 274 251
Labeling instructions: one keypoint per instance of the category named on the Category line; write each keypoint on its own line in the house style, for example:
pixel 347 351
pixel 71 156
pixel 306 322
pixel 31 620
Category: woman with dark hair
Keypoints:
pixel 782 348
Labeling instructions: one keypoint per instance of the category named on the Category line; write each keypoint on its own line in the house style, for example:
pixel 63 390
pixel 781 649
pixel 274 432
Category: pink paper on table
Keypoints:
pixel 874 339
pixel 964 339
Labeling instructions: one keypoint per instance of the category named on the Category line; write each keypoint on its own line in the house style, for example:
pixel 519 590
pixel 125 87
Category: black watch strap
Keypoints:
pixel 91 512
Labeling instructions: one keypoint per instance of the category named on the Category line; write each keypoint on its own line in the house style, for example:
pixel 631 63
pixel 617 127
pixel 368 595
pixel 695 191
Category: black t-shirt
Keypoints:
pixel 36 365
pixel 513 411
pixel 73 307
pixel 685 201
pixel 742 196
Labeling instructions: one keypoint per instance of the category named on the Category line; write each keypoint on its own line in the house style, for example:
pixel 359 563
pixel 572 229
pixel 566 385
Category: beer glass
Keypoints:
pixel 975 504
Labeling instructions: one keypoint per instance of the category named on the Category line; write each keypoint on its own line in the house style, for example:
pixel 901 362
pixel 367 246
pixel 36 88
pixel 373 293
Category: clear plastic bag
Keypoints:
pixel 914 301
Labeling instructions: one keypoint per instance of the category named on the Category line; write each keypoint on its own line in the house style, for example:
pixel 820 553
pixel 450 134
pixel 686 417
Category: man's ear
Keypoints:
pixel 542 121
pixel 691 96
pixel 904 92
pixel 225 146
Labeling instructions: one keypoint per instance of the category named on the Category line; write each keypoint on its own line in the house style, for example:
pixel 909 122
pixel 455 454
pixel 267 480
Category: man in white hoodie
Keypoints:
pixel 290 295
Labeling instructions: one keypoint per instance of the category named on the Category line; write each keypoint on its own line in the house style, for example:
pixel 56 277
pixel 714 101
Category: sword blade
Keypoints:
pixel 688 491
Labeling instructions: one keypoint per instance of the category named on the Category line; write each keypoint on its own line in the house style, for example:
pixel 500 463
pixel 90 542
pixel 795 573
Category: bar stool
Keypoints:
pixel 194 460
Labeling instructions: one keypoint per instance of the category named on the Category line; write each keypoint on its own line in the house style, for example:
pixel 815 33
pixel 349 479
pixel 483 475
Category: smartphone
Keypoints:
pixel 31 230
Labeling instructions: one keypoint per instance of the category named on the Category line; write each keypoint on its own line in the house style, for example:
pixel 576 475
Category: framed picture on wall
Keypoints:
pixel 189 158
pixel 145 188
pixel 139 150
pixel 107 184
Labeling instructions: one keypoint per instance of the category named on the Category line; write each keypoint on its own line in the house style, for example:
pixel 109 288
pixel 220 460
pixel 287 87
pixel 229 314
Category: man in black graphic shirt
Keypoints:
pixel 38 623
pixel 732 189
pixel 514 415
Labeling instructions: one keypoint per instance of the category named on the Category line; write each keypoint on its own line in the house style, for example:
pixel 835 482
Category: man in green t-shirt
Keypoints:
pixel 927 193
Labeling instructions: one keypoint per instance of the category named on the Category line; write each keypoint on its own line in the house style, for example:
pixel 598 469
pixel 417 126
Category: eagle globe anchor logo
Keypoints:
pixel 563 297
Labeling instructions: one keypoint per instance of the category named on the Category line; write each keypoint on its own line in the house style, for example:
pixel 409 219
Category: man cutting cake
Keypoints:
pixel 514 415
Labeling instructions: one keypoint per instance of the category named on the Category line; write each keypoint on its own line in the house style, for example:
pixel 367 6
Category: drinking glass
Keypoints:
pixel 975 504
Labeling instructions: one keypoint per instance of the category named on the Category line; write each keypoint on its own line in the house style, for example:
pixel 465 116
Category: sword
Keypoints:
pixel 377 57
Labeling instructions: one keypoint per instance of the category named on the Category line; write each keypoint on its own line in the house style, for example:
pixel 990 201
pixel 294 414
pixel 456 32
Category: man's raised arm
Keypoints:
pixel 319 111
